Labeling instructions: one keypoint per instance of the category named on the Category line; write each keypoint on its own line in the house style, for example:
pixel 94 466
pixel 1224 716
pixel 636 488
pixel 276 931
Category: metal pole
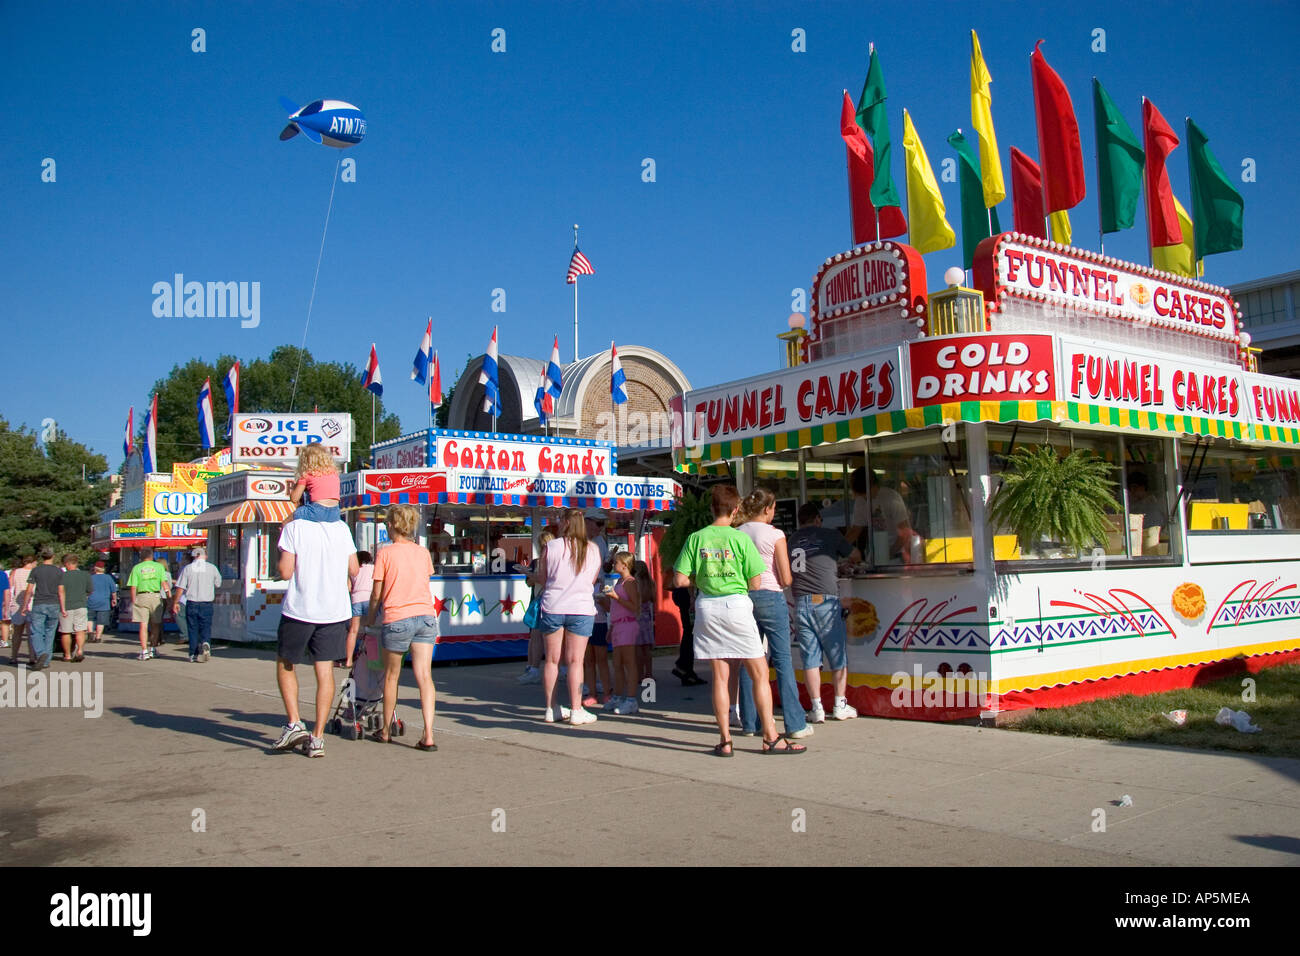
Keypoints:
pixel 575 298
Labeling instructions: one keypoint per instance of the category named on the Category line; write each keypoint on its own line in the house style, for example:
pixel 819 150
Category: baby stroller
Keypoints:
pixel 361 698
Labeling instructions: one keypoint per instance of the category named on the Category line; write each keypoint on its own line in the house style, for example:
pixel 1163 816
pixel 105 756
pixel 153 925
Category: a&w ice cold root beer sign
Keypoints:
pixel 277 439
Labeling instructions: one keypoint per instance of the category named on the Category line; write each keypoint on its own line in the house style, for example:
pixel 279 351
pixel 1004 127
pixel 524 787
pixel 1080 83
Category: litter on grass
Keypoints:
pixel 1176 717
pixel 1238 719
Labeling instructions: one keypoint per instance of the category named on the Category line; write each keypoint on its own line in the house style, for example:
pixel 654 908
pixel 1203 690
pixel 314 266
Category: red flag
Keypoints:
pixel 1027 195
pixel 861 172
pixel 1158 141
pixel 1059 150
pixel 435 383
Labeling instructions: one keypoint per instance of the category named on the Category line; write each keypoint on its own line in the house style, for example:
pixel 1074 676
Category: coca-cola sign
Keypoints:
pixel 392 482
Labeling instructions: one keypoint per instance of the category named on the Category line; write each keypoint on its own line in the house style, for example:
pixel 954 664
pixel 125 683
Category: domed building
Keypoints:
pixel 584 409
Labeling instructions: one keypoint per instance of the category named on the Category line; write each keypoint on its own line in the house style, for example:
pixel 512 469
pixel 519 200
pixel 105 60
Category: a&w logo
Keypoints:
pixel 76 909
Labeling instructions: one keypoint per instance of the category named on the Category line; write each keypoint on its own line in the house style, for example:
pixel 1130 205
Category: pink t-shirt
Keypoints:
pixel 405 568
pixel 323 487
pixel 567 591
pixel 363 584
pixel 765 538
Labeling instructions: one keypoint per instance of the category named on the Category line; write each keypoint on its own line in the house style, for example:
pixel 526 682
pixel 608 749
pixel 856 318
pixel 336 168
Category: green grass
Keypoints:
pixel 1275 709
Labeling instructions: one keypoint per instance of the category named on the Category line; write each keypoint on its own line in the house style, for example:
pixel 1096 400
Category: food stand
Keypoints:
pixel 949 617
pixel 484 499
pixel 241 527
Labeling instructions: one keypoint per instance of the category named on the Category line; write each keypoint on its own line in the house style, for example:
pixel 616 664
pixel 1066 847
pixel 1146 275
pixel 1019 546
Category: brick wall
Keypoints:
pixel 648 393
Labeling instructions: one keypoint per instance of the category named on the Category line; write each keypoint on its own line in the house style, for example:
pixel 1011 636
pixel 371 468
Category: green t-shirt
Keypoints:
pixel 147 576
pixel 723 559
pixel 76 588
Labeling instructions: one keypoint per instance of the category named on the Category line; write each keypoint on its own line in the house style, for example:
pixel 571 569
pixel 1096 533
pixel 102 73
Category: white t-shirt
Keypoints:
pixel 318 591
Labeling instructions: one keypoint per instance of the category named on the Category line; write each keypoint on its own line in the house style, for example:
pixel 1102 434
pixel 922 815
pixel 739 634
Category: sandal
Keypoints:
pixel 379 737
pixel 428 748
pixel 723 749
pixel 770 746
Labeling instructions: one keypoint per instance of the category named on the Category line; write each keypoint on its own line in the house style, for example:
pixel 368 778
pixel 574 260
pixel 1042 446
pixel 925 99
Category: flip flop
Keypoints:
pixel 769 746
pixel 724 749
pixel 378 737
pixel 428 748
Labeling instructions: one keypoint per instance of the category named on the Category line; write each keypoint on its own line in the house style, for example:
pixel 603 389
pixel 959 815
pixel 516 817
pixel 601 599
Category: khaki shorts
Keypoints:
pixel 148 608
pixel 72 622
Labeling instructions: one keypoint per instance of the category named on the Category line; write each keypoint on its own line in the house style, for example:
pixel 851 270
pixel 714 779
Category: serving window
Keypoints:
pixel 918 496
pixel 1235 488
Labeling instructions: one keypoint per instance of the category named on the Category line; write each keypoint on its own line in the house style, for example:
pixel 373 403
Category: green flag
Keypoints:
pixel 1119 163
pixel 974 214
pixel 1217 207
pixel 874 122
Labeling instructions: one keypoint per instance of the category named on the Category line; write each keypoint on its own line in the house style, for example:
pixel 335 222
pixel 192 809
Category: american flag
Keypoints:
pixel 579 265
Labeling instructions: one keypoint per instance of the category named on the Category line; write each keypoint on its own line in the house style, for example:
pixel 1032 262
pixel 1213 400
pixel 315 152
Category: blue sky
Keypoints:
pixel 476 164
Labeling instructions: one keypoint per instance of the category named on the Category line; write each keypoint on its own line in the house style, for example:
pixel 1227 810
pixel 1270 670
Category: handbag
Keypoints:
pixel 533 616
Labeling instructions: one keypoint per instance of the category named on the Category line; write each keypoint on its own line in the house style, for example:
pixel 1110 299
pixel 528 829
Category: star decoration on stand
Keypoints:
pixel 508 606
pixel 473 605
pixel 439 605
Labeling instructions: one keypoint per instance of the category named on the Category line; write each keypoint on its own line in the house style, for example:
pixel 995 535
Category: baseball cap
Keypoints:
pixel 595 514
pixel 100 564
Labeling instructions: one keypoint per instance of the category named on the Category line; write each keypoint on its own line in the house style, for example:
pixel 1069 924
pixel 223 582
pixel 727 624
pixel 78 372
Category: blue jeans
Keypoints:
pixel 44 620
pixel 198 618
pixel 822 632
pixel 314 512
pixel 773 623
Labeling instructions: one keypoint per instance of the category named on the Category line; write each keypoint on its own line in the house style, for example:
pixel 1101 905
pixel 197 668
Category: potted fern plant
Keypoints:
pixel 1045 496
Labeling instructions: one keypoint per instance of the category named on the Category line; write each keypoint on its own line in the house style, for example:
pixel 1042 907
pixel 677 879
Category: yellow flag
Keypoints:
pixel 1178 259
pixel 1060 225
pixel 927 227
pixel 981 117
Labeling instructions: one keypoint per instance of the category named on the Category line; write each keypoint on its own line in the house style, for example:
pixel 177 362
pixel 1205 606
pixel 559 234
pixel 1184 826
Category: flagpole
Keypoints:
pixel 1146 205
pixel 1096 156
pixel 372 418
pixel 575 298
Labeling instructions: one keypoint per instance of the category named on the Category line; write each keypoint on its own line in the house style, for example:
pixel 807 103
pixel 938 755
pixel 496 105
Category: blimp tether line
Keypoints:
pixel 325 123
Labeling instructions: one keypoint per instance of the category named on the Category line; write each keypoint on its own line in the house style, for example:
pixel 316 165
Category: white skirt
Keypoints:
pixel 725 628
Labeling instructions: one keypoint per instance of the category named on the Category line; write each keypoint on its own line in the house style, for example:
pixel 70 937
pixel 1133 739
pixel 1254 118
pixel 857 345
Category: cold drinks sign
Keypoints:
pixel 982 368
pixel 277 439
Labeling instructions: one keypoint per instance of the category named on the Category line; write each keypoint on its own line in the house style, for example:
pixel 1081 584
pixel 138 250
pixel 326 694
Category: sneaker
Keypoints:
pixel 807 731
pixel 582 717
pixel 531 675
pixel 611 704
pixel 153 652
pixel 42 662
pixel 144 655
pixel 315 746
pixel 550 714
pixel 626 706
pixel 842 710
pixel 817 715
pixel 292 735
pixel 3 644
pixel 194 658
pixel 205 651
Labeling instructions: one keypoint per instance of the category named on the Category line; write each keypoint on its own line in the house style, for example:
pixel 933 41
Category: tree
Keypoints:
pixel 265 385
pixel 44 498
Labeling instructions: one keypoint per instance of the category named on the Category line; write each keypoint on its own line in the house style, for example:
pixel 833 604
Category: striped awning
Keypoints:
pixel 516 501
pixel 245 512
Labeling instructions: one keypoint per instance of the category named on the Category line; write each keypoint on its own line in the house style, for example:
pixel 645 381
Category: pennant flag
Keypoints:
pixel 551 376
pixel 231 386
pixel 617 380
pixel 1060 154
pixel 488 377
pixel 420 368
pixel 1160 141
pixel 128 441
pixel 579 265
pixel 544 401
pixel 1119 163
pixel 1217 208
pixel 861 162
pixel 373 381
pixel 875 123
pixel 1058 224
pixel 435 383
pixel 1180 259
pixel 1027 195
pixel 974 214
pixel 930 231
pixel 981 117
pixel 149 444
pixel 206 429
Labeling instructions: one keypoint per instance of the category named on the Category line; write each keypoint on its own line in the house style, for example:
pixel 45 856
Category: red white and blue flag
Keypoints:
pixel 435 383
pixel 373 382
pixel 149 446
pixel 551 379
pixel 617 380
pixel 423 358
pixel 206 428
pixel 544 401
pixel 231 385
pixel 579 265
pixel 489 378
pixel 128 441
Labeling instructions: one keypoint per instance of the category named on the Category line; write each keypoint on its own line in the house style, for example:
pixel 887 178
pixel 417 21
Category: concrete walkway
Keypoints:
pixel 181 744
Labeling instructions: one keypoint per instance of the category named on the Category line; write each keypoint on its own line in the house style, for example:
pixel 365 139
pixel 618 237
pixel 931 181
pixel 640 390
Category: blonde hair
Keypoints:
pixel 546 537
pixel 315 460
pixel 623 557
pixel 755 503
pixel 402 520
pixel 575 537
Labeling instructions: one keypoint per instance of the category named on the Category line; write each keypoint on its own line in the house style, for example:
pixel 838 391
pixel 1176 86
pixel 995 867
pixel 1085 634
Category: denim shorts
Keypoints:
pixel 361 609
pixel 821 631
pixel 400 635
pixel 579 624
